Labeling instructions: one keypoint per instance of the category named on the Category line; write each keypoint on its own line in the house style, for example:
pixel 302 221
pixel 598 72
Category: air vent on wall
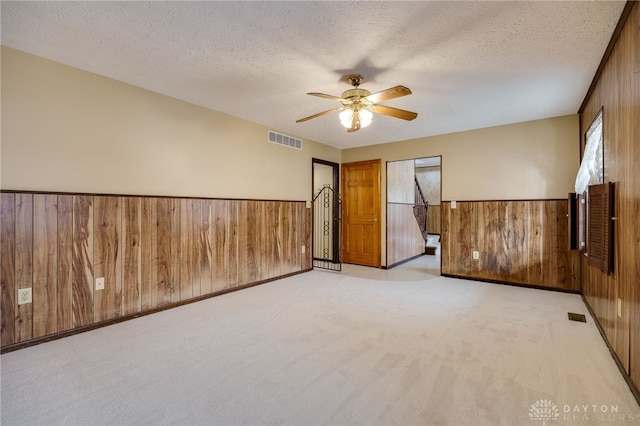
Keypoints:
pixel 285 140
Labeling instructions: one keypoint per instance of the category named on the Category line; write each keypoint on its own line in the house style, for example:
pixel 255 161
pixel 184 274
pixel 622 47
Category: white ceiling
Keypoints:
pixel 469 64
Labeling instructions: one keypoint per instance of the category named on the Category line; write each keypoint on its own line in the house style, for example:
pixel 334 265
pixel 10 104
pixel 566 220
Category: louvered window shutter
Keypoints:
pixel 600 237
pixel 572 218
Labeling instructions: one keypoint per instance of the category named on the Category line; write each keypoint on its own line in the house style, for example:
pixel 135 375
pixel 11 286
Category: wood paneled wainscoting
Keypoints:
pixel 404 239
pixel 520 242
pixel 153 252
pixel 615 298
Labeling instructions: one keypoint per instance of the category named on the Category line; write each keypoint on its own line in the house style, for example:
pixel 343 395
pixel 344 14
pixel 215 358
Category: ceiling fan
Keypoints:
pixel 358 105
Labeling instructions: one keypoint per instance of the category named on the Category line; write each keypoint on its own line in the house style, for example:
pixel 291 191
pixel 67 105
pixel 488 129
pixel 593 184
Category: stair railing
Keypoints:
pixel 420 208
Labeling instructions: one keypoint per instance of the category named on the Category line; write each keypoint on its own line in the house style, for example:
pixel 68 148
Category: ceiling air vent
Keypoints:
pixel 285 140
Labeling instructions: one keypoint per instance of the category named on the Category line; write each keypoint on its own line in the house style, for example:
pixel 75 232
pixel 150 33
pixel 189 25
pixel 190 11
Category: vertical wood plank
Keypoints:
pixel 175 251
pixel 269 243
pixel 196 247
pixel 464 213
pixel 551 249
pixel 535 243
pixel 132 255
pixel 206 278
pixel 242 247
pixel 233 242
pixel 287 237
pixel 8 295
pixel 445 244
pixel 65 263
pixel 501 232
pixel 518 241
pixel 186 244
pixel 483 240
pixel 45 259
pixel 147 241
pixel 219 245
pixel 162 261
pixel 24 263
pixel 106 257
pixel 250 242
pixel 82 260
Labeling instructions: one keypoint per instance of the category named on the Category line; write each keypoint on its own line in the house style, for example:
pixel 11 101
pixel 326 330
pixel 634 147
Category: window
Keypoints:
pixel 591 171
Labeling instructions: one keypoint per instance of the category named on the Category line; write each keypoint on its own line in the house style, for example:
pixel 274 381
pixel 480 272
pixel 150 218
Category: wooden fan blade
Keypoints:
pixel 393 92
pixel 320 114
pixel 323 95
pixel 394 112
pixel 355 123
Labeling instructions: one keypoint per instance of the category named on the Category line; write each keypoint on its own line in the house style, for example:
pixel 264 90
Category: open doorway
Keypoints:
pixel 413 213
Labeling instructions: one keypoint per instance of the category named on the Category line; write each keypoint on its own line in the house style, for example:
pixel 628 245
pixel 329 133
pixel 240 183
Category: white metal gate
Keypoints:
pixel 327 216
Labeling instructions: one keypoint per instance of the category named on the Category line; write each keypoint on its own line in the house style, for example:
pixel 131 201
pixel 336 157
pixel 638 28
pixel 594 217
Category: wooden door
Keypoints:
pixel 361 213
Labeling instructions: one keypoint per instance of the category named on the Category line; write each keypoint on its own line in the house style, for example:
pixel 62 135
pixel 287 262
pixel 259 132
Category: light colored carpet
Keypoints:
pixel 328 348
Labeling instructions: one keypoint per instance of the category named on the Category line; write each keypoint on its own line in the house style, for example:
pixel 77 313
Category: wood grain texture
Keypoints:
pixel 252 221
pixel 147 240
pixel 401 182
pixel 82 266
pixel 433 219
pixel 285 238
pixel 270 245
pixel 167 251
pixel 233 231
pixel 131 255
pixel 519 242
pixel 107 259
pixel 8 295
pixel 152 251
pixel 404 239
pixel 45 262
pixel 65 263
pixel 617 93
pixel 206 273
pixel 24 263
pixel 219 245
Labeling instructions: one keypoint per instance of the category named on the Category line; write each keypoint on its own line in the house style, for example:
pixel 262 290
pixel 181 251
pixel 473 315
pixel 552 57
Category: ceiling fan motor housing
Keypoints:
pixel 356 97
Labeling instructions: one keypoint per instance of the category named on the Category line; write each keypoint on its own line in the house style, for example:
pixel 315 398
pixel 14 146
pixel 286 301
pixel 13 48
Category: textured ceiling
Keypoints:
pixel 469 64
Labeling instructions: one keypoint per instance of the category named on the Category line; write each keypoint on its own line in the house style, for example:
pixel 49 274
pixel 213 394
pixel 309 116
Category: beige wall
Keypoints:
pixel 531 160
pixel 68 130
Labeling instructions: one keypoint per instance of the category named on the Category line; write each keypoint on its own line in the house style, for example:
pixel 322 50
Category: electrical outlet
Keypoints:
pixel 476 255
pixel 100 283
pixel 619 308
pixel 24 296
pixel 453 204
pixel 304 249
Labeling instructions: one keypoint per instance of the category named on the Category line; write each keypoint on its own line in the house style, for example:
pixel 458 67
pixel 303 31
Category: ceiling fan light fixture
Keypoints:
pixel 366 117
pixel 346 117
